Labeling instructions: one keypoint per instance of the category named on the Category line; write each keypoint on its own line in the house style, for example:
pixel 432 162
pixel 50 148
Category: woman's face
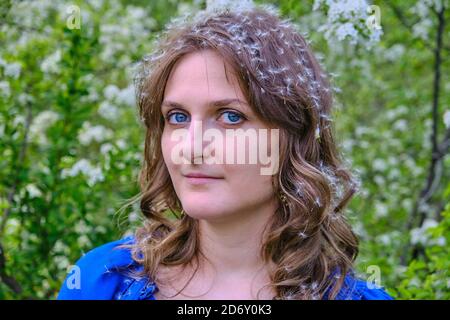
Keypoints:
pixel 196 82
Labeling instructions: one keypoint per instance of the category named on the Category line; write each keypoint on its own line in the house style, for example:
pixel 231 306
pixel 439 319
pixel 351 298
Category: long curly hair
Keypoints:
pixel 308 238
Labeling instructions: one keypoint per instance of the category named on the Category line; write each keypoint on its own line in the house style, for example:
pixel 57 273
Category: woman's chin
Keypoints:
pixel 204 212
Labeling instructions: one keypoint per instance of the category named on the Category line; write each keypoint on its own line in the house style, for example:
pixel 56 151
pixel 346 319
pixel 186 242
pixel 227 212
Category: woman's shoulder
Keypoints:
pixel 355 288
pixel 104 273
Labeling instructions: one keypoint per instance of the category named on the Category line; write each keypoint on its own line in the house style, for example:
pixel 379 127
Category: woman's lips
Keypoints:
pixel 202 180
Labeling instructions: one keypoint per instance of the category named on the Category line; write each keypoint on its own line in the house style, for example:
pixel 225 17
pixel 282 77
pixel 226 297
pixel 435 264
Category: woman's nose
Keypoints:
pixel 194 144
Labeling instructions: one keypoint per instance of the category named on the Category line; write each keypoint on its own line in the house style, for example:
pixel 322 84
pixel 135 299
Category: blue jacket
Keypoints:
pixel 103 274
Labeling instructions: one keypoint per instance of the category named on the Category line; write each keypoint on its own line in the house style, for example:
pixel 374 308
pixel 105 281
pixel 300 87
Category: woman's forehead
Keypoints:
pixel 199 71
pixel 203 63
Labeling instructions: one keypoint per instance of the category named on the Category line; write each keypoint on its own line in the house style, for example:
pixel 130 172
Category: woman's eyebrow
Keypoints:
pixel 217 103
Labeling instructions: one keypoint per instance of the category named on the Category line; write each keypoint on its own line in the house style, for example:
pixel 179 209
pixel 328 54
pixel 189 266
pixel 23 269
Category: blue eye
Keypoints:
pixel 233 116
pixel 180 117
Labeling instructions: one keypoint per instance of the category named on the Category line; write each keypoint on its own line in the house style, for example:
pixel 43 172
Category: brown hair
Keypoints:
pixel 308 238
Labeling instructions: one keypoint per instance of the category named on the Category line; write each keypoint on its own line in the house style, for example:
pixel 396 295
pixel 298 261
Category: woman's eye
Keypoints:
pixel 233 117
pixel 179 117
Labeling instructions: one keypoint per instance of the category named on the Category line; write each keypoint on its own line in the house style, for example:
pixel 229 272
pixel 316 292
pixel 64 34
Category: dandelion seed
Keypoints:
pixel 287 269
pixel 271 70
pixel 303 287
pixel 299 192
pixel 317 133
pixel 301 78
pixel 254 47
pixel 258 59
pixel 288 80
pixel 337 89
pixel 302 235
pixel 317 202
pixel 334 216
pixel 285 24
pixel 107 270
pixel 315 296
pixel 288 90
pixel 261 75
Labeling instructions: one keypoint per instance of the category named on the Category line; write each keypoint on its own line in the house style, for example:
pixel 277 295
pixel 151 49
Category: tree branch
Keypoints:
pixel 9 281
pixel 400 16
pixel 407 24
pixel 439 150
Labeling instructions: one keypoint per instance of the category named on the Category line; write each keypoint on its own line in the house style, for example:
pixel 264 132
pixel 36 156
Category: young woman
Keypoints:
pixel 243 232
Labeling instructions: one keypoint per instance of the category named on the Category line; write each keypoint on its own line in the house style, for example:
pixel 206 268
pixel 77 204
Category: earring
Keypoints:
pixel 283 197
pixel 182 213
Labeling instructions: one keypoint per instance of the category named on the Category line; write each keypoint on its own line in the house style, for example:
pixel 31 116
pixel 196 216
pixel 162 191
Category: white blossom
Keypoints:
pixel 84 241
pixel 394 52
pixel 13 70
pixel 40 123
pixel 5 89
pixel 447 119
pixel 50 64
pixel 121 144
pixel 25 98
pixel 62 262
pixel 401 125
pixel 422 29
pixel 61 247
pixel 83 166
pixel 136 13
pixel 108 110
pixel 111 91
pixel 394 113
pixel 385 239
pixel 347 29
pixel 381 210
pixel 81 227
pixel 379 180
pixel 123 35
pixel 347 19
pixel 126 96
pixel 422 236
pixel 379 164
pixel 105 148
pixel 33 190
pixel 96 4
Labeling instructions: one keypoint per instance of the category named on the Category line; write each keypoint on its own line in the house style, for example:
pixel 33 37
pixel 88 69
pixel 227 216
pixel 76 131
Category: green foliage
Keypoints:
pixel 429 276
